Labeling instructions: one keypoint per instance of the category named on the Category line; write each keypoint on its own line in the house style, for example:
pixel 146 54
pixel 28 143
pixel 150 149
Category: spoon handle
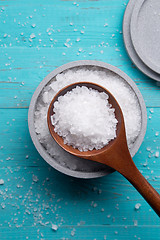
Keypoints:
pixel 144 188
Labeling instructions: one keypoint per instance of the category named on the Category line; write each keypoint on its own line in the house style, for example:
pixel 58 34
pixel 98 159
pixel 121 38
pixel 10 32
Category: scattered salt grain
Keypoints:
pixel 95 205
pixel 54 227
pixel 73 232
pixel 32 36
pixel 93 122
pixel 3 205
pixel 157 154
pixel 35 178
pixel 137 206
pixel 151 110
pixel 148 149
pixel 1 181
pixel 33 25
pixel 135 223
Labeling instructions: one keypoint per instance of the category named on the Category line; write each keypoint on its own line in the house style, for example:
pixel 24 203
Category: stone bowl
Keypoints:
pixel 87 169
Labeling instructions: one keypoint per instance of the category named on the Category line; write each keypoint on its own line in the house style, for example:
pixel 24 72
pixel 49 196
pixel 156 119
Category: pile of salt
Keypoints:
pixel 84 118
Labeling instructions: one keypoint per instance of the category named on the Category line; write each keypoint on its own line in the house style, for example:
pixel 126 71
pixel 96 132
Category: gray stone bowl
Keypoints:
pixel 89 169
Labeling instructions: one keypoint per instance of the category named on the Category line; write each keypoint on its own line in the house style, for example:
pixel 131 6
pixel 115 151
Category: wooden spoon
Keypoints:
pixel 116 154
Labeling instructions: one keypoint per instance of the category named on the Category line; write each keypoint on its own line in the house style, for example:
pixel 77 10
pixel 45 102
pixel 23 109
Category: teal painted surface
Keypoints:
pixel 34 195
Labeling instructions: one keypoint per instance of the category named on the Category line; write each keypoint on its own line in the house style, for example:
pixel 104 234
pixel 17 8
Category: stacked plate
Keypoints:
pixel 141 33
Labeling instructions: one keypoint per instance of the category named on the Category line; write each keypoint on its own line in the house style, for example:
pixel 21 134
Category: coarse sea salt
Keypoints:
pixel 84 118
pixel 123 93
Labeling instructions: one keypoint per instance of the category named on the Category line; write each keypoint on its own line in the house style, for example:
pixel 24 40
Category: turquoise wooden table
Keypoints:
pixel 36 201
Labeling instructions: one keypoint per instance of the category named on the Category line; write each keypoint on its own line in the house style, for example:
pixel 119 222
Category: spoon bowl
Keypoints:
pixel 115 154
pixel 59 140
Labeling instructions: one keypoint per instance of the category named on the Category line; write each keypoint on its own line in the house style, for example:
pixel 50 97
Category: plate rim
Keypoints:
pixel 133 30
pixel 130 48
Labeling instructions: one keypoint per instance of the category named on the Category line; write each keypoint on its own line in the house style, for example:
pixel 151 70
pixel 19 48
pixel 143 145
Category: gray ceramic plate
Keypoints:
pixel 89 169
pixel 145 32
pixel 129 45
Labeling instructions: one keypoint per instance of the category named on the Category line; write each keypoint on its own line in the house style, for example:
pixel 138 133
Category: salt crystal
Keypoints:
pixel 99 191
pixel 54 227
pixel 137 206
pixel 135 223
pixel 145 164
pixel 148 149
pixel 1 181
pixel 151 110
pixel 3 205
pixel 95 205
pixel 67 45
pixel 32 36
pixel 73 232
pixel 157 154
pixel 35 178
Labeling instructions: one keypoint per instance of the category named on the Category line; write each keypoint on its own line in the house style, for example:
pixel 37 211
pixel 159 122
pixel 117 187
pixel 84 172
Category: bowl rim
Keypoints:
pixel 46 80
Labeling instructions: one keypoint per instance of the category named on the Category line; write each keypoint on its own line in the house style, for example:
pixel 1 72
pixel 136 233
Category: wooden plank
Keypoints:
pixel 33 195
pixel 93 232
pixel 18 149
pixel 30 66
